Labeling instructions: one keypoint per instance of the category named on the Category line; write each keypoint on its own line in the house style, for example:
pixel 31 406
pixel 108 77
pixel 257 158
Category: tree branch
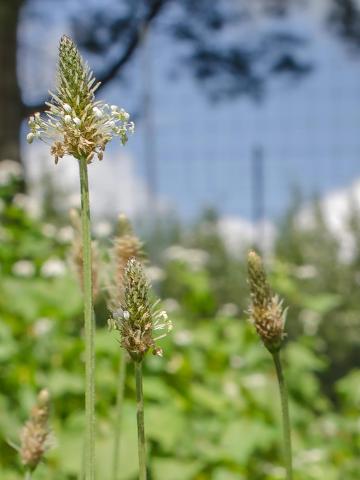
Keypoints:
pixel 135 39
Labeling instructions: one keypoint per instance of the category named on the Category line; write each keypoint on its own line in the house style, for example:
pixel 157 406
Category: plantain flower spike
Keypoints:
pixel 138 320
pixel 266 309
pixel 126 245
pixel 35 435
pixel 75 123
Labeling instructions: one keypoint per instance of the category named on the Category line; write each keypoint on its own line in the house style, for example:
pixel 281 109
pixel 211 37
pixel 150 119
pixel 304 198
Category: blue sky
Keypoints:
pixel 308 130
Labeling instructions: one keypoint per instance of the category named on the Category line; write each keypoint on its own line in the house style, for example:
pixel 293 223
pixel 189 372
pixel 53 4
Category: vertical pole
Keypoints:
pixel 149 123
pixel 258 196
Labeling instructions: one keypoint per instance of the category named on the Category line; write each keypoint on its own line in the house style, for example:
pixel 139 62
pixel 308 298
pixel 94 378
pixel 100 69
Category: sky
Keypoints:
pixel 308 130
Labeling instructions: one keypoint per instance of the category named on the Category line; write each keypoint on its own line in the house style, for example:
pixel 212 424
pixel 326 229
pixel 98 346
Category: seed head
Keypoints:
pixel 35 436
pixel 266 309
pixel 137 319
pixel 126 245
pixel 75 124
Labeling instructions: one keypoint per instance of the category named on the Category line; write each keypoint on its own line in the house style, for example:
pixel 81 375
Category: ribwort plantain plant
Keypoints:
pixel 138 321
pixel 126 245
pixel 76 124
pixel 35 435
pixel 269 316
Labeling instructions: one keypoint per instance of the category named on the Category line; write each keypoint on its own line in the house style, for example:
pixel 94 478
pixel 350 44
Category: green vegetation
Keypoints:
pixel 212 405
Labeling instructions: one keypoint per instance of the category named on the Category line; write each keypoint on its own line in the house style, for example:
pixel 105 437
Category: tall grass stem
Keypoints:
pixel 285 415
pixel 89 325
pixel 119 412
pixel 140 420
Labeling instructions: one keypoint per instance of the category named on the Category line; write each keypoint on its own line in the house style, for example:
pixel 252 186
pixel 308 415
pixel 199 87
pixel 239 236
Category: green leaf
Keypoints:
pixel 165 425
pixel 175 469
pixel 242 438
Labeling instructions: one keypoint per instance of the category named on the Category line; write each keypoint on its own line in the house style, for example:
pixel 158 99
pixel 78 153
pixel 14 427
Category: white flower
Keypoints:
pixel 194 258
pixel 114 108
pixel 98 112
pixel 53 267
pixel 67 118
pixel 228 310
pixel 49 230
pixel 124 116
pixel 255 380
pixel 30 137
pixel 183 338
pixel 65 234
pixel 23 268
pixel 306 271
pixel 155 274
pixel 67 107
pixel 29 204
pixel 230 389
pixel 42 326
pixel 171 305
pixel 103 229
pixel 77 121
pixel 131 127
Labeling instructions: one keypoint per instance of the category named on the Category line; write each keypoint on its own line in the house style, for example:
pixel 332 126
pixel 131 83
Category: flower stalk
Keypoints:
pixel 126 245
pixel 138 321
pixel 119 413
pixel 268 316
pixel 76 124
pixel 140 420
pixel 285 415
pixel 89 324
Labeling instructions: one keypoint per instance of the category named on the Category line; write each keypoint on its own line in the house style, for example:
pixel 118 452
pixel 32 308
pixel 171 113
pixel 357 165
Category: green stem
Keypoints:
pixel 89 325
pixel 285 415
pixel 28 475
pixel 140 421
pixel 119 412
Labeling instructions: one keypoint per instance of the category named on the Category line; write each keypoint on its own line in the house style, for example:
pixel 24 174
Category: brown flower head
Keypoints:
pixel 266 309
pixel 35 436
pixel 126 245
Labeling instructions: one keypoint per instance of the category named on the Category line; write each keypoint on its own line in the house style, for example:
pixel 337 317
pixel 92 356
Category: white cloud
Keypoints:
pixel 114 185
pixel 337 206
pixel 239 233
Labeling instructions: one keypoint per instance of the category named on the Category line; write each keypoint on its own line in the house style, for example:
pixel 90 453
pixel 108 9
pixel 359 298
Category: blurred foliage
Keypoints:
pixel 212 409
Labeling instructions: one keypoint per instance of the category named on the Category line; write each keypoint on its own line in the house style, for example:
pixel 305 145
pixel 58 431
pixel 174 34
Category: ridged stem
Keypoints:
pixel 140 420
pixel 119 413
pixel 89 325
pixel 284 414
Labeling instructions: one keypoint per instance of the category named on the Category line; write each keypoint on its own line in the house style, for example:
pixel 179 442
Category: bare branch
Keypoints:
pixel 133 42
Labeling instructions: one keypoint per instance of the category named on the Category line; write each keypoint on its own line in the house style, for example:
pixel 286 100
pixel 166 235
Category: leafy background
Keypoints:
pixel 212 409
